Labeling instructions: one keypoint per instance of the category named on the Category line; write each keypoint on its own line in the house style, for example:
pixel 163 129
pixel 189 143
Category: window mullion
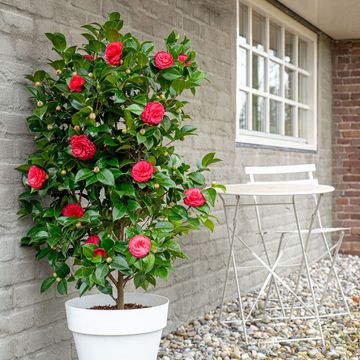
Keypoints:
pixel 296 84
pixel 267 90
pixel 282 87
pixel 250 70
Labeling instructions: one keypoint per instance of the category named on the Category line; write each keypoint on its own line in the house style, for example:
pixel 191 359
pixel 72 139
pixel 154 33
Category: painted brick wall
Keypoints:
pixel 32 326
pixel 346 123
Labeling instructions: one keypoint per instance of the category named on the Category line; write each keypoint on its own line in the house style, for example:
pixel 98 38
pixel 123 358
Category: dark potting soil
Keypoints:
pixel 113 307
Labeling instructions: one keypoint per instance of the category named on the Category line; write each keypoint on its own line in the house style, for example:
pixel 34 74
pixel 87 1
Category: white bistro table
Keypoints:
pixel 284 194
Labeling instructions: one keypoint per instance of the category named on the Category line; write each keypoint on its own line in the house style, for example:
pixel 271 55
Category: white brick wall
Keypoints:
pixel 32 326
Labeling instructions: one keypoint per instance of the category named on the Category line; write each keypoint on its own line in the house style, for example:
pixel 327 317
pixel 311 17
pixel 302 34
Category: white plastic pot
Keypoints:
pixel 117 334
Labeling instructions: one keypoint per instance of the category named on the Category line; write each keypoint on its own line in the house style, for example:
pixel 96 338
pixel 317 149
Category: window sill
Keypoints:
pixel 277 143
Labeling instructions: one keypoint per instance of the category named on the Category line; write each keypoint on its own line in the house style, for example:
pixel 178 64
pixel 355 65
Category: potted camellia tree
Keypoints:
pixel 109 196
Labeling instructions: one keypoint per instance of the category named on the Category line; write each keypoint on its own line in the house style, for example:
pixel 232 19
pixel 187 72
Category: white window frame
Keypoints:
pixel 271 13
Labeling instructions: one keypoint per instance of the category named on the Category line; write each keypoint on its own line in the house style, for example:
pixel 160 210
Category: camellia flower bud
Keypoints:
pixel 40 103
pixel 58 108
pixel 55 275
pixel 58 72
pixel 78 225
pixel 63 172
pixel 142 131
pixel 38 84
pixel 90 75
pixel 128 71
pixel 109 260
pixel 92 116
pixel 58 279
pixel 96 169
pixel 50 127
pixel 156 186
pixel 77 128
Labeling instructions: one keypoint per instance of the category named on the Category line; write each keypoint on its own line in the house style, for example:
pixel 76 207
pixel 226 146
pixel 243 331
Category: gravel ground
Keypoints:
pixel 205 338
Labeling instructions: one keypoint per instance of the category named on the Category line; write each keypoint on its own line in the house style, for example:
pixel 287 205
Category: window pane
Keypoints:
pixel 243 23
pixel 289 120
pixel 275 117
pixel 274 78
pixel 242 65
pixel 302 54
pixel 289 79
pixel 258 30
pixel 302 89
pixel 275 40
pixel 302 118
pixel 289 47
pixel 258 78
pixel 242 110
pixel 258 113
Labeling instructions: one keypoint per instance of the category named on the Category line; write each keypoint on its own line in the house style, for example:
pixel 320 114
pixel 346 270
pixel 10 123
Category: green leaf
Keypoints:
pixel 83 174
pixel 164 180
pixel 148 261
pixel 170 74
pixel 209 224
pixel 58 40
pixel 164 225
pixel 84 272
pixel 180 210
pixel 197 177
pixel 178 85
pixel 106 177
pixel 100 273
pixel 88 251
pixel 62 287
pixel 161 272
pixel 139 279
pixel 210 195
pixel 209 159
pixel 62 269
pixel 119 207
pixel 120 263
pixel 47 283
pixel 135 109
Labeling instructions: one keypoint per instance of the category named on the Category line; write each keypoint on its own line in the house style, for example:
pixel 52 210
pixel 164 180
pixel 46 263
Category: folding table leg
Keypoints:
pixel 304 248
pixel 266 252
pixel 272 279
pixel 231 258
pixel 333 259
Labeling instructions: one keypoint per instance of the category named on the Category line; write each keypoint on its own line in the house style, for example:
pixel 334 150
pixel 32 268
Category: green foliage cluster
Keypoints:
pixel 108 111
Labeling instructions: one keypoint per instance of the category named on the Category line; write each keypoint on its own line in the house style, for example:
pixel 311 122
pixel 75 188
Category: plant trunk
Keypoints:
pixel 120 292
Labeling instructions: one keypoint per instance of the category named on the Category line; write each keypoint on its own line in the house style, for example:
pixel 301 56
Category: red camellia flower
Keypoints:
pixel 194 197
pixel 76 83
pixel 153 113
pixel 93 239
pixel 73 210
pixel 82 148
pixel 36 177
pixel 163 60
pixel 89 57
pixel 142 171
pixel 101 252
pixel 182 58
pixel 113 53
pixel 139 246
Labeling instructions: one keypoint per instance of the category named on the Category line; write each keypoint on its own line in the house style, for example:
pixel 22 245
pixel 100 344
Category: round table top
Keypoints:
pixel 275 189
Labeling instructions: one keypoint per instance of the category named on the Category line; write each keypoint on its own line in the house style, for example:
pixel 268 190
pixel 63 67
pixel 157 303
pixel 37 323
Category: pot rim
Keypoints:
pixel 70 303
